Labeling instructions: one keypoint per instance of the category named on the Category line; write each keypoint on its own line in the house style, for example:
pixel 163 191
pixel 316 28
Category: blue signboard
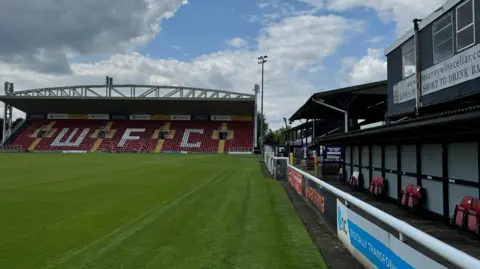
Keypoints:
pixel 333 154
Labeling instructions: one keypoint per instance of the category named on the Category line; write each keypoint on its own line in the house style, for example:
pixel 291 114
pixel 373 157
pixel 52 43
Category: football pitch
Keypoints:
pixel 146 211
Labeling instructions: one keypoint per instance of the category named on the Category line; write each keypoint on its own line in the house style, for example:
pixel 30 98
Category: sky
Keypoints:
pixel 312 45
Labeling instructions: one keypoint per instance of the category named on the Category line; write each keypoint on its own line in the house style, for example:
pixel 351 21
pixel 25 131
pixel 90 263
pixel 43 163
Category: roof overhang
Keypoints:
pixel 363 101
pixel 131 99
pixel 460 123
pixel 51 104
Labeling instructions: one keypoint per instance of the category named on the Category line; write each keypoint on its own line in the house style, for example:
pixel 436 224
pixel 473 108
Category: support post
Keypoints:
pixel 418 102
pixel 7 113
pixel 256 88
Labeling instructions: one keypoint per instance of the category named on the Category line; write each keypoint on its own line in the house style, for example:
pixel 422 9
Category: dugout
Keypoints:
pixel 336 111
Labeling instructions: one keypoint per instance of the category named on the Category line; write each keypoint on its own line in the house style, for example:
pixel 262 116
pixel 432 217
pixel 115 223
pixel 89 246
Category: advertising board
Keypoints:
pixel 98 116
pixel 140 117
pixel 180 117
pixel 53 116
pixel 455 70
pixel 333 154
pixel 295 180
pixel 375 247
pixel 324 202
pixel 119 117
pixel 221 118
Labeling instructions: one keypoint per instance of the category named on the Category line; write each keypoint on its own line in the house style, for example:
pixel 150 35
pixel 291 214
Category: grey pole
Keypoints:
pixel 262 61
pixel 418 99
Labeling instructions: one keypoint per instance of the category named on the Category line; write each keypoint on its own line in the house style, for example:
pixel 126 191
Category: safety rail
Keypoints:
pixel 451 254
pixel 277 166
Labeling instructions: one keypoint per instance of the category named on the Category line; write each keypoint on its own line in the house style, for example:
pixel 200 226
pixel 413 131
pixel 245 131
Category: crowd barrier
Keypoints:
pixel 371 245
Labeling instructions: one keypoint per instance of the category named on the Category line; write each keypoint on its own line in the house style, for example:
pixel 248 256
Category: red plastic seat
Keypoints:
pixel 379 186
pixel 414 197
pixel 473 216
pixel 373 184
pixel 354 179
pixel 460 213
pixel 406 193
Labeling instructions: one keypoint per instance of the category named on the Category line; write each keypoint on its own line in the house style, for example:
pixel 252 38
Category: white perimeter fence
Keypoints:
pixel 373 246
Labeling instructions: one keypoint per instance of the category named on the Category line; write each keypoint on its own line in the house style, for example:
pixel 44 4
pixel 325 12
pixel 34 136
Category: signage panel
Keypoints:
pixel 54 116
pixel 180 117
pixel 333 154
pixel 324 202
pixel 375 247
pixel 119 117
pixel 140 117
pixel 221 118
pixel 98 116
pixel 453 71
pixel 295 180
pixel 36 116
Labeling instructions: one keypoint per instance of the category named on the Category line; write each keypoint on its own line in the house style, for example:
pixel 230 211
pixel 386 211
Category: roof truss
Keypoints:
pixel 133 91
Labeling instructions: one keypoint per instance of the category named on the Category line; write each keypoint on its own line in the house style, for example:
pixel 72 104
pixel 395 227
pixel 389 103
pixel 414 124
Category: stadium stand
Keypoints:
pixel 134 136
pixel 151 119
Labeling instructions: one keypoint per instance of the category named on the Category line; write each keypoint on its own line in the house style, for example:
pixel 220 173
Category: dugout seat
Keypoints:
pixel 377 186
pixel 460 212
pixel 405 195
pixel 473 216
pixel 414 198
pixel 355 180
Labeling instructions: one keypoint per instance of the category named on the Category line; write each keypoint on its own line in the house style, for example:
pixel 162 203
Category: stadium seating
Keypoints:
pixel 377 186
pixel 460 212
pixel 473 216
pixel 355 180
pixel 136 135
pixel 405 194
pixel 412 197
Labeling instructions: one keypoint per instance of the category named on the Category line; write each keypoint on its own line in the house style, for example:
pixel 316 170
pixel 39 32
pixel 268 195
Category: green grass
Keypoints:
pixel 146 211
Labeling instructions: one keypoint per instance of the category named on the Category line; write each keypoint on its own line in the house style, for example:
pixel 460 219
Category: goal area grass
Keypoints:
pixel 147 211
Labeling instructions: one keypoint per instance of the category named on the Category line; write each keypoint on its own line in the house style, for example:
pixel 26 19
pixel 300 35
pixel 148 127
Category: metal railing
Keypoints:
pixel 277 166
pixel 453 255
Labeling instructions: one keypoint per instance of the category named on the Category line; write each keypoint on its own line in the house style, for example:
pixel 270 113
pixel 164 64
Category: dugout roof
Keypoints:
pixel 131 99
pixel 362 102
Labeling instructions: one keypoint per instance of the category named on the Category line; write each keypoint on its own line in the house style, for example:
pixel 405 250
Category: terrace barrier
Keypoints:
pixel 373 246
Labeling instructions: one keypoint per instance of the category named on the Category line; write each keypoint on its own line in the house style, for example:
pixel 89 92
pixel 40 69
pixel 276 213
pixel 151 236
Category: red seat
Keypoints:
pixel 379 186
pixel 414 197
pixel 406 193
pixel 460 213
pixel 373 184
pixel 473 216
pixel 354 179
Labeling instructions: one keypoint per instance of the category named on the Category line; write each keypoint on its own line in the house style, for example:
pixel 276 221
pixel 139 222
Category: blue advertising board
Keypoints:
pixel 334 154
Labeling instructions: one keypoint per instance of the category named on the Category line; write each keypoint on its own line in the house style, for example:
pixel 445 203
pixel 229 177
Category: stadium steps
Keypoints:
pixel 159 146
pixel 96 145
pixel 38 140
pixel 221 146
pixel 34 144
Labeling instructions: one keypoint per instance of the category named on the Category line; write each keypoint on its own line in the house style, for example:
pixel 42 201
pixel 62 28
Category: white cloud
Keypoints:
pixel 400 11
pixel 237 42
pixel 295 46
pixel 41 35
pixel 375 39
pixel 372 67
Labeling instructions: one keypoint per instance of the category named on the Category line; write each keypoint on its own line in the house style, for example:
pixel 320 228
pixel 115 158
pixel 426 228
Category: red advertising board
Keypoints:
pixel 295 180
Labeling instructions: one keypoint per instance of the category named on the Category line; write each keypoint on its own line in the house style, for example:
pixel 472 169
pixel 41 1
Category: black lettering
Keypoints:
pixel 475 69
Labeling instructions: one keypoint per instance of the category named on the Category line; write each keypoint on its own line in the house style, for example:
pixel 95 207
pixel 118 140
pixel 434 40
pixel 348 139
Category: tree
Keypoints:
pixel 261 119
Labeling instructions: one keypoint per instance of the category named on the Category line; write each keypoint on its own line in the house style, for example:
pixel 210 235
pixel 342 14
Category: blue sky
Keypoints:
pixel 313 45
